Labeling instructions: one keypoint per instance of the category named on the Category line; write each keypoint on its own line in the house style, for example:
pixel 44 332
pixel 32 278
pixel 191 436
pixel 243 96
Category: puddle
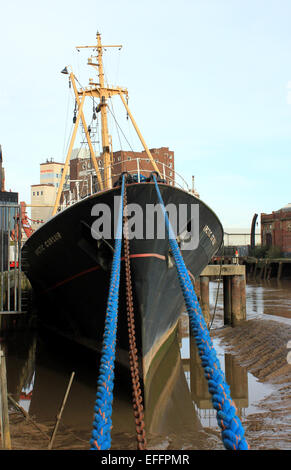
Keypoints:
pixel 263 298
pixel 246 390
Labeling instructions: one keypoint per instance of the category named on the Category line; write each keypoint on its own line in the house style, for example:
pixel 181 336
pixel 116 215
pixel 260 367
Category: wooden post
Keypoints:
pixel 59 416
pixel 255 270
pixel 197 288
pixel 198 382
pixel 280 267
pixel 5 432
pixel 235 300
pixel 243 311
pixel 266 269
pixel 204 291
pixel 227 299
pixel 237 379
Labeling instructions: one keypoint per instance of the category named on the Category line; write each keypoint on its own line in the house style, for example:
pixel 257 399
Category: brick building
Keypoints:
pixel 276 229
pixel 135 162
pixel 83 180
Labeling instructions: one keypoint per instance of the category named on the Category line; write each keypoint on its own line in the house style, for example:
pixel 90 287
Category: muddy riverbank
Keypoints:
pixel 253 354
pixel 261 346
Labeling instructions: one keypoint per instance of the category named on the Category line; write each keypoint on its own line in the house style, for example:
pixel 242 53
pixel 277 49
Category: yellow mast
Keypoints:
pixel 102 92
pixel 104 127
pixel 106 92
pixel 92 153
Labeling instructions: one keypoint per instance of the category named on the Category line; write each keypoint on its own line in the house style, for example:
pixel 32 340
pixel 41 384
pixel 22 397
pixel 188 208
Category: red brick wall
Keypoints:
pixel 127 161
pixel 278 226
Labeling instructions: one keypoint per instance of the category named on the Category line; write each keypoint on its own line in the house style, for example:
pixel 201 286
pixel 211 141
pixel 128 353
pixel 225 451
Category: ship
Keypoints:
pixel 69 268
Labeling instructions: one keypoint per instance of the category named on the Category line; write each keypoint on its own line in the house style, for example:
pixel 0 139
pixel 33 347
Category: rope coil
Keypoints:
pixel 231 428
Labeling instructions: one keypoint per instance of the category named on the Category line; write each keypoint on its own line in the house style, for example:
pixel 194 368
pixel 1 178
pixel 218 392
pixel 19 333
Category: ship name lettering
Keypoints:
pixel 53 239
pixel 210 234
pixel 47 243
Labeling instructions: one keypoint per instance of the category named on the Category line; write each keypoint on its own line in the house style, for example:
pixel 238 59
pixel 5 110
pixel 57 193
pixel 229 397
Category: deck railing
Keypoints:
pixel 10 259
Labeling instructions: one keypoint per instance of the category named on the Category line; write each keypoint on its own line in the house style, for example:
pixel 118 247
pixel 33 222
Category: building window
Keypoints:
pixel 128 158
pixel 41 193
pixel 37 193
pixel 33 193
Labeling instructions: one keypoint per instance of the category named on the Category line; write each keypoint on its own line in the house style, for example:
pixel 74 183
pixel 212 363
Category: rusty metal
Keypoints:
pixel 133 353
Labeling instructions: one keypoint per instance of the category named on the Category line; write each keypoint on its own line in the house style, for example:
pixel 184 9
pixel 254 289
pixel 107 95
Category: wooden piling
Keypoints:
pixel 227 299
pixel 234 291
pixel 255 269
pixel 235 300
pixel 5 432
pixel 197 288
pixel 279 274
pixel 243 310
pixel 204 302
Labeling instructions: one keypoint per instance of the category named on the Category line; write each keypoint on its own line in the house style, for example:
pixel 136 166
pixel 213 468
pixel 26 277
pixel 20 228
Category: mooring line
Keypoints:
pixel 230 424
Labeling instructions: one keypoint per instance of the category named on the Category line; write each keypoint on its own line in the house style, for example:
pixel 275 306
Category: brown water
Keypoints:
pixel 272 298
pixel 179 413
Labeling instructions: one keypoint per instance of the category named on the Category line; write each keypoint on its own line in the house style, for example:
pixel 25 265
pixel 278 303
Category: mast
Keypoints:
pixel 103 92
pixel 104 123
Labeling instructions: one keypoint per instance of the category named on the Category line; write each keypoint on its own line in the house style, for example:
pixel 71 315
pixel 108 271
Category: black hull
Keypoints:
pixel 70 271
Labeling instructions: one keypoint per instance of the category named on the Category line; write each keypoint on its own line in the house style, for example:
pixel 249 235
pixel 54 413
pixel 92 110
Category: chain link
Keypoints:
pixel 133 353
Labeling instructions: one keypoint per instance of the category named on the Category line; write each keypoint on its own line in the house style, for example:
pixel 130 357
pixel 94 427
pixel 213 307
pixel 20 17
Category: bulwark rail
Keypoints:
pixel 10 259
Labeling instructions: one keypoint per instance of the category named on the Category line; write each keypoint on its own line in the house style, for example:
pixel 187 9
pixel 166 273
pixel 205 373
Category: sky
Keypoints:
pixel 206 78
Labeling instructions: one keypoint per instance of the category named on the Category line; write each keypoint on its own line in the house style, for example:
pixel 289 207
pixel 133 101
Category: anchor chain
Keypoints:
pixel 133 357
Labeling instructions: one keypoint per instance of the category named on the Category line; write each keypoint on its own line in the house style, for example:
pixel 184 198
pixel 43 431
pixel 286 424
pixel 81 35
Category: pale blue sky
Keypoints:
pixel 207 78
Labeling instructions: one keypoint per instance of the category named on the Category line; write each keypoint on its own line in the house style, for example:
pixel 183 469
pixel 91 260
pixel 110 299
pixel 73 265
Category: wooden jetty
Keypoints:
pixel 234 291
pixel 260 268
pixel 268 268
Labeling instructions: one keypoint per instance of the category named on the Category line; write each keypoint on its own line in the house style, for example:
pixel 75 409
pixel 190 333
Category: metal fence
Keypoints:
pixel 10 258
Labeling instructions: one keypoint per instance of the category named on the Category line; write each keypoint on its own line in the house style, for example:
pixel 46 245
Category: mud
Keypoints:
pixel 261 346
pixel 258 346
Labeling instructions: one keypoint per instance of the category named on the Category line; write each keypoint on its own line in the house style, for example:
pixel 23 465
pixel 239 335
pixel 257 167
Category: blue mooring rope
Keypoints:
pixel 101 434
pixel 232 431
